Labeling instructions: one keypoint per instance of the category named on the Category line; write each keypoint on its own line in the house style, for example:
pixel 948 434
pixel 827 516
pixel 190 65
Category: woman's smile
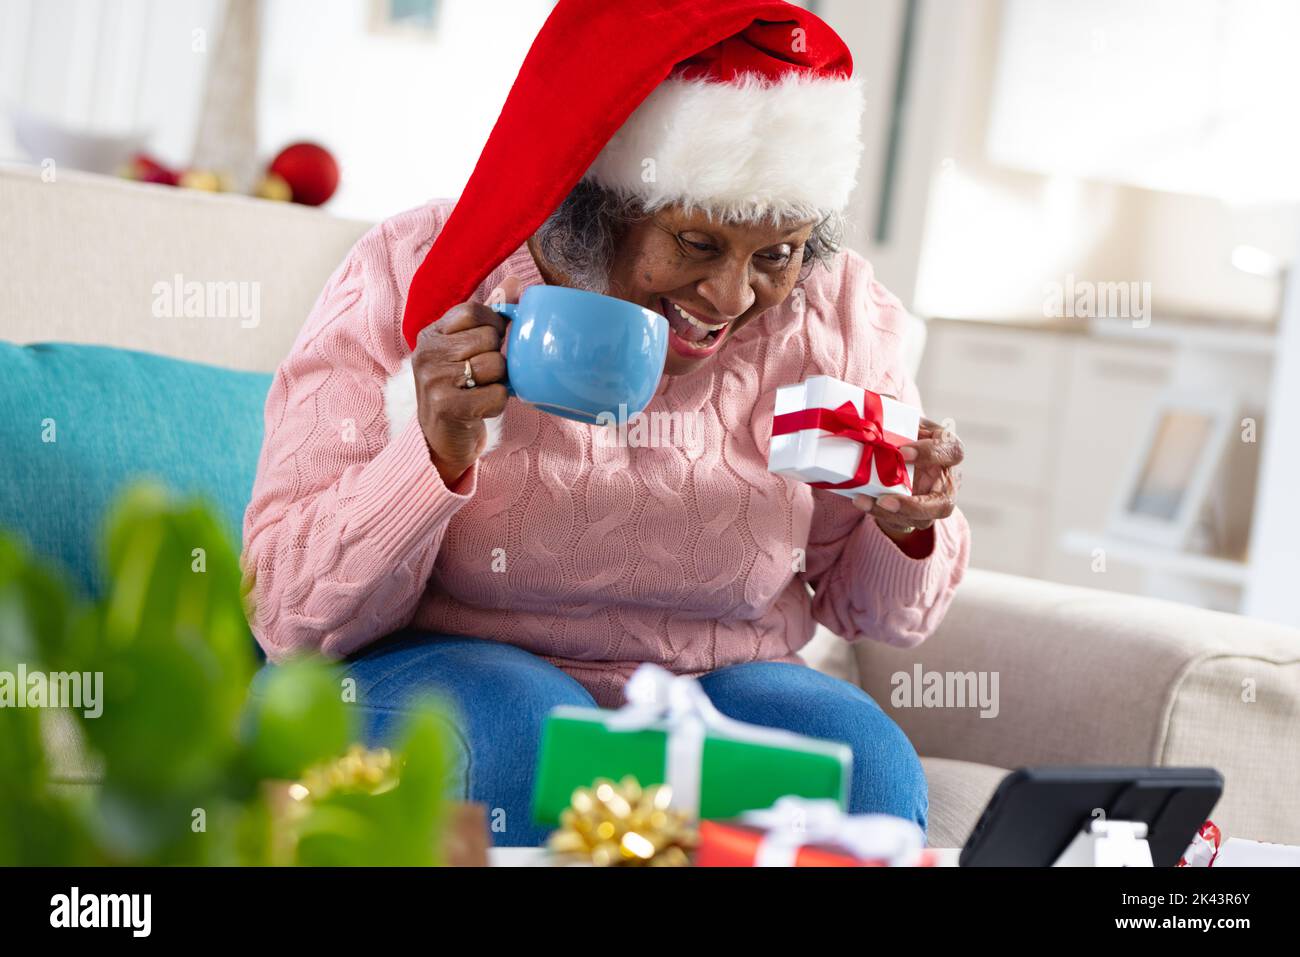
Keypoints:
pixel 692 334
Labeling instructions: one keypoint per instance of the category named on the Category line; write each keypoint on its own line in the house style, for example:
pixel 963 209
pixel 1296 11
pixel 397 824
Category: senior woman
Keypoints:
pixel 438 536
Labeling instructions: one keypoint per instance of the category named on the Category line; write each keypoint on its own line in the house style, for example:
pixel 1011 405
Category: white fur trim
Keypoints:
pixel 399 399
pixel 400 406
pixel 748 149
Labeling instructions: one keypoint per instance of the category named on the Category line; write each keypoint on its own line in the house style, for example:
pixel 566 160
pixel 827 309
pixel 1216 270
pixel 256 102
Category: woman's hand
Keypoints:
pixel 466 339
pixel 934 456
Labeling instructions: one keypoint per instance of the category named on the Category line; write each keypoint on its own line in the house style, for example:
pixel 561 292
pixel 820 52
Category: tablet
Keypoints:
pixel 1036 812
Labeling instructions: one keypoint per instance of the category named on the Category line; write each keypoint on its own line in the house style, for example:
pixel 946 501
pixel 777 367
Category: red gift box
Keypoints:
pixel 783 837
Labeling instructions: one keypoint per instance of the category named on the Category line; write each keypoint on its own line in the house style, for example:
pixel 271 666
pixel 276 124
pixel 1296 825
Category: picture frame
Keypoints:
pixel 1173 468
pixel 408 18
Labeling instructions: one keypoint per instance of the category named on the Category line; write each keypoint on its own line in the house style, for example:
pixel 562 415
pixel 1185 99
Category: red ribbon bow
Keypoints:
pixel 879 446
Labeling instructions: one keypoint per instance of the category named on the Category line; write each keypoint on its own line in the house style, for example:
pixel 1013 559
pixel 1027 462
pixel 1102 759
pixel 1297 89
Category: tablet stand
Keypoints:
pixel 1108 844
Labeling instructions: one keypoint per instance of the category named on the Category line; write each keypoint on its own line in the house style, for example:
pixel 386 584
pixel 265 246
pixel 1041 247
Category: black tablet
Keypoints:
pixel 1036 812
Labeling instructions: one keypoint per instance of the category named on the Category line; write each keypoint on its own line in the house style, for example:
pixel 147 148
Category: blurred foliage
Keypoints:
pixel 190 756
pixel 393 827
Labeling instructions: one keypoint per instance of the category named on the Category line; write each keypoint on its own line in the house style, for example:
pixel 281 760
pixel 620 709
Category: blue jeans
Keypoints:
pixel 500 695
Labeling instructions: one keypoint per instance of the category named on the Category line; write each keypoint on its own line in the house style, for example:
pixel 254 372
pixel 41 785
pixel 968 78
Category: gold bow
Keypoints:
pixel 623 824
pixel 358 771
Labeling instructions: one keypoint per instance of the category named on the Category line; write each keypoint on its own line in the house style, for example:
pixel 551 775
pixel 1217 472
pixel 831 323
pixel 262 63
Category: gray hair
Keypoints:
pixel 579 239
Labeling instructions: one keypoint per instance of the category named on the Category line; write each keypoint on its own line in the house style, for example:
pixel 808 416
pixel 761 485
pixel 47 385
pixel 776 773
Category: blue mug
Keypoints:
pixel 579 354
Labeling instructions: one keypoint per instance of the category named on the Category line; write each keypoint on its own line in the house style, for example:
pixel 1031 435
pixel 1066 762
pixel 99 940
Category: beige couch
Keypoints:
pixel 1084 676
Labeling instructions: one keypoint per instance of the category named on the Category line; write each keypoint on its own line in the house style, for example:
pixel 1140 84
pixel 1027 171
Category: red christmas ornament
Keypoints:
pixel 146 169
pixel 310 171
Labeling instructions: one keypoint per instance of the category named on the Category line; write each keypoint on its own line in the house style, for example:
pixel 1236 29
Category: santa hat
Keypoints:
pixel 744 108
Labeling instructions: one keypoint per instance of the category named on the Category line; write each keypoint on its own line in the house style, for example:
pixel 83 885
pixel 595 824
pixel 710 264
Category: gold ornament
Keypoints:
pixel 624 824
pixel 202 179
pixel 276 187
pixel 291 803
pixel 359 771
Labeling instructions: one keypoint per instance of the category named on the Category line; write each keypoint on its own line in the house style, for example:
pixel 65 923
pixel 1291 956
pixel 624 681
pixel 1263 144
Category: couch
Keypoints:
pixel 1083 676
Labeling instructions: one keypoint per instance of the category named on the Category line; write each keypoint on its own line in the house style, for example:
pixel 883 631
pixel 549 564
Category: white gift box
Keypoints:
pixel 1238 852
pixel 811 455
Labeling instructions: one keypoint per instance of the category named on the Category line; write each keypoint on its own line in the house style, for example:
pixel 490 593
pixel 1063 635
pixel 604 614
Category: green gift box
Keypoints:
pixel 718 767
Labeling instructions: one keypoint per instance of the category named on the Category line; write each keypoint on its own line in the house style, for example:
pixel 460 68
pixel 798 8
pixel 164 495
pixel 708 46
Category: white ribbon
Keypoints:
pixel 792 822
pixel 659 698
pixel 656 696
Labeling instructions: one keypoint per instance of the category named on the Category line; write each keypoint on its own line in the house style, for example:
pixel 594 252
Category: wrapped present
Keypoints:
pixel 1240 852
pixel 1209 848
pixel 670 733
pixel 795 832
pixel 836 436
pixel 1204 847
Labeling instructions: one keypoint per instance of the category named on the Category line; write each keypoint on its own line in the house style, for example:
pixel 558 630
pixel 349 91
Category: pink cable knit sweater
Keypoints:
pixel 594 556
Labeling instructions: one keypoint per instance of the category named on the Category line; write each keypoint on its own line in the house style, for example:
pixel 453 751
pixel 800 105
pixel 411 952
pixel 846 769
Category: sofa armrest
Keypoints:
pixel 1078 676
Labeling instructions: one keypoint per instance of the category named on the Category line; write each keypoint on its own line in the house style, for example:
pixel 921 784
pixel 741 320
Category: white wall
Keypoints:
pixel 108 66
pixel 995 235
pixel 1188 96
pixel 1185 244
pixel 1275 538
pixel 405 116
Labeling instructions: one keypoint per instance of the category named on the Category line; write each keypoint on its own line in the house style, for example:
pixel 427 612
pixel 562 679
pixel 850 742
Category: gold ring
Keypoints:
pixel 469 376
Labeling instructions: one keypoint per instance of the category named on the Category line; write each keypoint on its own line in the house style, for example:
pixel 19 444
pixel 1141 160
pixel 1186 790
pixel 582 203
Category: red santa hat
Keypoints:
pixel 744 108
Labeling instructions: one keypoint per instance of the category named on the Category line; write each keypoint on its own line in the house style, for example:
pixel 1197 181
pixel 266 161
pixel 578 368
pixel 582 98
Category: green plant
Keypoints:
pixel 186 752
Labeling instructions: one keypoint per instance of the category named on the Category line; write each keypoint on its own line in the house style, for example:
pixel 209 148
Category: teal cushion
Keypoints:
pixel 115 416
